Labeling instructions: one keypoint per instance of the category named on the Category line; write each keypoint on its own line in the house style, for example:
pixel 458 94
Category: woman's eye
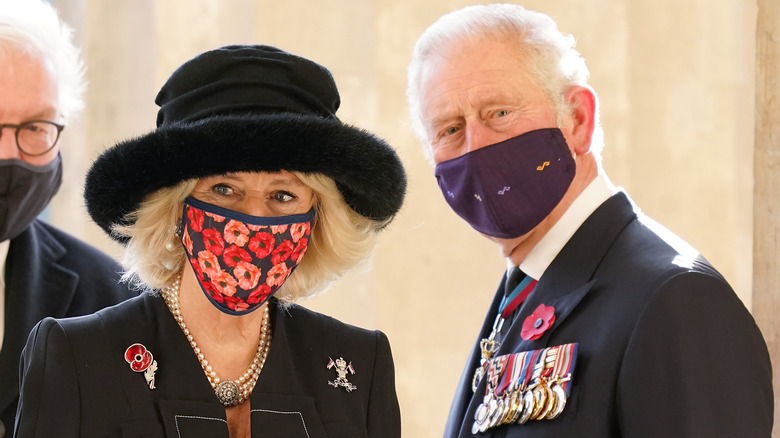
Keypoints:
pixel 222 190
pixel 283 196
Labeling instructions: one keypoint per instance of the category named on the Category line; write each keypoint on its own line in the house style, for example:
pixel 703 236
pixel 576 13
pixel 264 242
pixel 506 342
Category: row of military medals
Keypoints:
pixel 530 385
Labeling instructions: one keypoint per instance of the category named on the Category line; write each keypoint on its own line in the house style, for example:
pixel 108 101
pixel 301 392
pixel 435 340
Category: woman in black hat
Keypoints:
pixel 248 177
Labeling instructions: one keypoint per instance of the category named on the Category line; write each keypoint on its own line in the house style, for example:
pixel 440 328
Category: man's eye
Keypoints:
pixel 502 113
pixel 452 130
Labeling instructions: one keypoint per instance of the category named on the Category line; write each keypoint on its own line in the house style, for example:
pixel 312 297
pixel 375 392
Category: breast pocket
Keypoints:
pixel 275 423
pixel 286 416
pixel 200 426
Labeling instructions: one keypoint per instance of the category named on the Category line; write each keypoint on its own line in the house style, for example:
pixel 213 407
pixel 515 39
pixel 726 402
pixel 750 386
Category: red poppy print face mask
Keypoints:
pixel 241 260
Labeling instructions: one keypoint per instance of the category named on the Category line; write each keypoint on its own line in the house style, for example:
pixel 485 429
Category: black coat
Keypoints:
pixel 666 348
pixel 48 273
pixel 77 383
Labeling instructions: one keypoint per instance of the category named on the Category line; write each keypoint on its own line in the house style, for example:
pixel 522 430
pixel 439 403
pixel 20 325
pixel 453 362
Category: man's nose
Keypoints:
pixel 478 136
pixel 8 147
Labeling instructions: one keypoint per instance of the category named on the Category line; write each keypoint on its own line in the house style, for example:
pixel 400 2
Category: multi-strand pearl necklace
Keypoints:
pixel 228 392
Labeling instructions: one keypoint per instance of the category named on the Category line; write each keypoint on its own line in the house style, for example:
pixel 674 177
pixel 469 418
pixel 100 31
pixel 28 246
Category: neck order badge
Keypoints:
pixel 489 345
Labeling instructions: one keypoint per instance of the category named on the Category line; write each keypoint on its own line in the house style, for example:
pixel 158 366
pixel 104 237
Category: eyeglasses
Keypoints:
pixel 36 137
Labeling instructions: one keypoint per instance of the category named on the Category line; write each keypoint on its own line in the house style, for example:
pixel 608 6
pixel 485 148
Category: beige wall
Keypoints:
pixel 676 87
pixel 766 210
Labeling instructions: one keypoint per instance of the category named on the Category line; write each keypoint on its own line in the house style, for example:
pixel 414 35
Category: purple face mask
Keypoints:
pixel 506 189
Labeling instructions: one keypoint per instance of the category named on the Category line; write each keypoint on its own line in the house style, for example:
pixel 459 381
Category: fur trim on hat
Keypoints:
pixel 367 171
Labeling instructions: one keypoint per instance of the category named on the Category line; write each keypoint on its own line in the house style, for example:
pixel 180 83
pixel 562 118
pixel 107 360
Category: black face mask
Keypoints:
pixel 25 190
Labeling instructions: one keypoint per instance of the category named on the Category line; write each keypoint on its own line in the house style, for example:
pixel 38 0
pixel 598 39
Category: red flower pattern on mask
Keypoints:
pixel 261 244
pixel 233 255
pixel 247 275
pixel 196 267
pixel 225 283
pixel 259 294
pixel 299 250
pixel 213 292
pixel 186 240
pixel 236 303
pixel 277 275
pixel 299 230
pixel 236 233
pixel 196 220
pixel 240 265
pixel 209 264
pixel 279 229
pixel 216 217
pixel 282 252
pixel 538 322
pixel 213 242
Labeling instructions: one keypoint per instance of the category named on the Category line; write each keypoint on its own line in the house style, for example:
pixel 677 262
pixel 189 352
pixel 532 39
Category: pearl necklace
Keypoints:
pixel 228 392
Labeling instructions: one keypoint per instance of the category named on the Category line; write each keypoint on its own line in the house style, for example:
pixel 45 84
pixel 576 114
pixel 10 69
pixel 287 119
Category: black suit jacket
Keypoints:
pixel 48 273
pixel 666 348
pixel 77 383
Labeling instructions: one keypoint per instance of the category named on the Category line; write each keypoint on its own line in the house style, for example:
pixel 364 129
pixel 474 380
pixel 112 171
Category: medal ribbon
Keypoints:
pixel 517 370
pixel 564 364
pixel 528 369
pixel 548 370
pixel 506 377
pixel 518 295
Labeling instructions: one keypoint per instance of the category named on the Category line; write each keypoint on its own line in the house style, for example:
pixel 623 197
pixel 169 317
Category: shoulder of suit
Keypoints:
pixel 128 312
pixel 77 249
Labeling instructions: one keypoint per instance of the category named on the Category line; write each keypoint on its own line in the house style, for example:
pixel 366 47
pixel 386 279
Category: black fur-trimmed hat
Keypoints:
pixel 246 108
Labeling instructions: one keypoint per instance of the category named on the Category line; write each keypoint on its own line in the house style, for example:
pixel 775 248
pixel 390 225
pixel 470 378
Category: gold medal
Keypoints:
pixel 540 399
pixel 517 406
pixel 560 401
pixel 511 407
pixel 549 401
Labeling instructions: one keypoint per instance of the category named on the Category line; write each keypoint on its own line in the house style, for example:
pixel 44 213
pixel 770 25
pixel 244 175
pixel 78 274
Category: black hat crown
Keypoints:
pixel 246 79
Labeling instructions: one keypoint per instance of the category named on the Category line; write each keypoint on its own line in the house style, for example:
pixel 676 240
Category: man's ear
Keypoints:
pixel 582 101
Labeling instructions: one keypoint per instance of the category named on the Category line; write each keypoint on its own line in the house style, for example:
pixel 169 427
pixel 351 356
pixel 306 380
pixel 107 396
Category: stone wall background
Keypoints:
pixel 677 89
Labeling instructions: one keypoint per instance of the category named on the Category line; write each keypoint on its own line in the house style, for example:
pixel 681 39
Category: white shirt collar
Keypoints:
pixel 538 260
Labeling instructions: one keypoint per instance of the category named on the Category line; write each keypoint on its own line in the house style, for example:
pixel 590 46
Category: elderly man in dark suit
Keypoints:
pixel 45 272
pixel 617 328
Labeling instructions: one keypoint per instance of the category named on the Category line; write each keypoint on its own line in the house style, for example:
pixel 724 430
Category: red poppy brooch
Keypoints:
pixel 141 361
pixel 538 322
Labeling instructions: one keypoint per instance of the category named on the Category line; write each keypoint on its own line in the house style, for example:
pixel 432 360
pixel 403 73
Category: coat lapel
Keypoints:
pixel 36 286
pixel 569 278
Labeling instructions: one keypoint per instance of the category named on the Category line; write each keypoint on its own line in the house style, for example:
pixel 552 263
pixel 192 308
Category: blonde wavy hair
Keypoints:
pixel 340 240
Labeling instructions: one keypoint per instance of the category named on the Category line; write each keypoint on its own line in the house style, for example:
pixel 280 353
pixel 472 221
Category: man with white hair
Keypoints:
pixel 606 324
pixel 43 271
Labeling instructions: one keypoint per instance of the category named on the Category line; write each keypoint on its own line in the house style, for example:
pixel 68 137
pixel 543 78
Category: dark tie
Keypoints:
pixel 512 280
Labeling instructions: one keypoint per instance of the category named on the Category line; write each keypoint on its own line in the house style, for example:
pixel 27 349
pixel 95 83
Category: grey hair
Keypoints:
pixel 551 60
pixel 33 28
